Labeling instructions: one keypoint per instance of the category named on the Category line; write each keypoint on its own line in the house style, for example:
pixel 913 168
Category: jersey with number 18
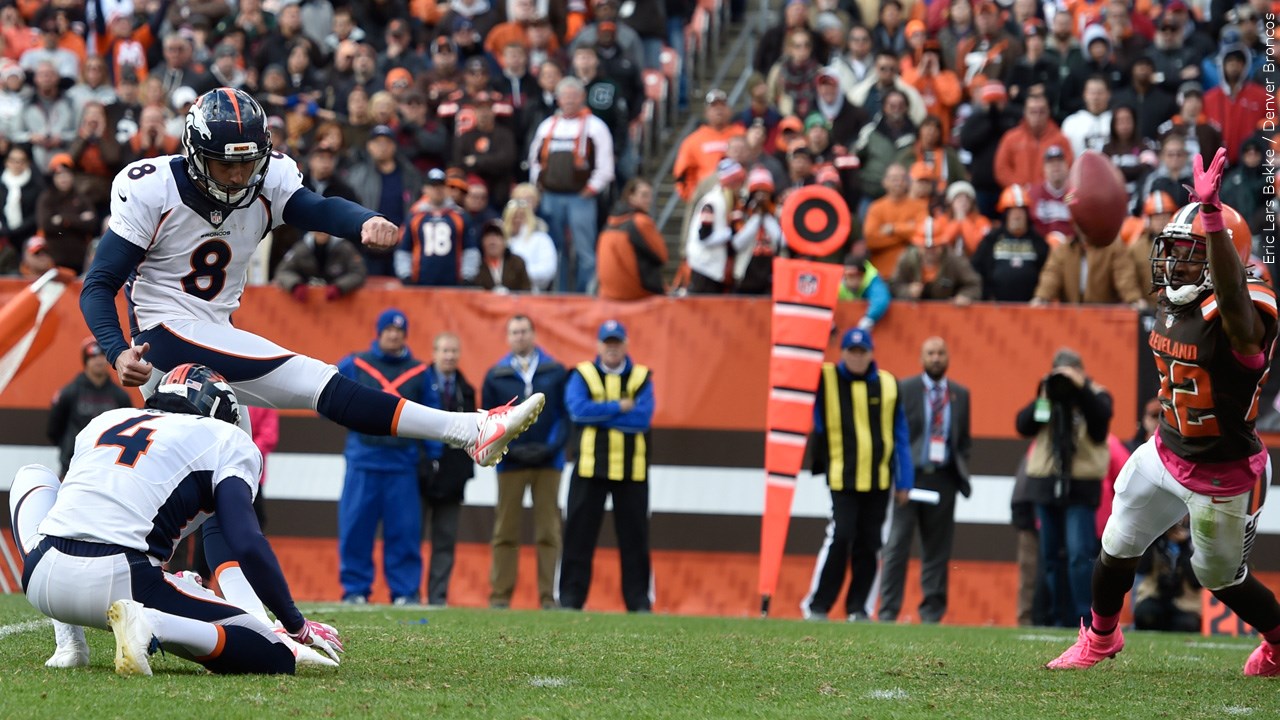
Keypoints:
pixel 197 255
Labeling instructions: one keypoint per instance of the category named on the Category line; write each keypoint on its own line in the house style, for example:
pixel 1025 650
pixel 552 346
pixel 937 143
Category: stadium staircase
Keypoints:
pixel 718 54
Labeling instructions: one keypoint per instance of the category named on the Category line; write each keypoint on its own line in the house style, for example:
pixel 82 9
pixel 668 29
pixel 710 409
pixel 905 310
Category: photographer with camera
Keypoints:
pixel 759 239
pixel 1068 419
pixel 1167 596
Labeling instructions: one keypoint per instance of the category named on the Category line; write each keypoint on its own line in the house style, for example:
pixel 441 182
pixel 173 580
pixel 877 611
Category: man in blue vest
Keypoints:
pixel 610 401
pixel 382 474
pixel 861 443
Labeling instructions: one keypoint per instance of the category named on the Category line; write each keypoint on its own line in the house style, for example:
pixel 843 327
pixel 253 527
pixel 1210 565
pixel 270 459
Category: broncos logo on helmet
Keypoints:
pixel 226 125
pixel 196 390
pixel 1184 242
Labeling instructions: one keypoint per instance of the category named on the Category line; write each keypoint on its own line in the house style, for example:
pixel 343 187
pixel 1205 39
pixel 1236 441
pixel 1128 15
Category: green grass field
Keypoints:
pixel 489 664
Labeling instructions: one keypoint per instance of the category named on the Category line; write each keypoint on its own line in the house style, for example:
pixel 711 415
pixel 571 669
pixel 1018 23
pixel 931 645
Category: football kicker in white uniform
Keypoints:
pixel 182 230
pixel 139 481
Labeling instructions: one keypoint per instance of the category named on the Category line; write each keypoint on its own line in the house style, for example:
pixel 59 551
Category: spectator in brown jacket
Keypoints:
pixel 1080 272
pixel 631 251
pixel 1020 156
pixel 501 270
pixel 66 217
pixel 319 259
pixel 931 270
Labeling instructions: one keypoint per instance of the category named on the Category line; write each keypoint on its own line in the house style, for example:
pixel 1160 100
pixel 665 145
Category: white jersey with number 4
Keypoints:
pixel 197 255
pixel 139 478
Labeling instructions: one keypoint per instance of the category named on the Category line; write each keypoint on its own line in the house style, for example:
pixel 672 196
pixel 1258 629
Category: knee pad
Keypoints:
pixel 34 490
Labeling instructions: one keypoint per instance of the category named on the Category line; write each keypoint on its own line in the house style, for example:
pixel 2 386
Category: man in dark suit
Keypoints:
pixel 938 423
pixel 444 471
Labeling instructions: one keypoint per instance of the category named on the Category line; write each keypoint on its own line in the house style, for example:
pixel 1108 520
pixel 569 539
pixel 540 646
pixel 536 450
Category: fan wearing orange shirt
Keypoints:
pixel 706 146
pixel 891 221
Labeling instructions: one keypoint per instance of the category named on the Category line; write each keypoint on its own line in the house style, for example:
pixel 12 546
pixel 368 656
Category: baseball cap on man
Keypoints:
pixel 612 330
pixel 391 317
pixel 382 131
pixel 1055 152
pixel 89 348
pixel 717 96
pixel 435 176
pixel 856 338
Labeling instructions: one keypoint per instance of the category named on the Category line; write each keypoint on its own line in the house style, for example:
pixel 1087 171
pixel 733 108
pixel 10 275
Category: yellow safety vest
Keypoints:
pixel 606 453
pixel 859 422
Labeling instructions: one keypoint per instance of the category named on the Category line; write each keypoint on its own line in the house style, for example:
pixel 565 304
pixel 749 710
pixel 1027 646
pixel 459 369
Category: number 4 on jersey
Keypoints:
pixel 132 445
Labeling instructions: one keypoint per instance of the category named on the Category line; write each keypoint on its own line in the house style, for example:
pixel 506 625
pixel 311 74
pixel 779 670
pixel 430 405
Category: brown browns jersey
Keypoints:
pixel 1210 398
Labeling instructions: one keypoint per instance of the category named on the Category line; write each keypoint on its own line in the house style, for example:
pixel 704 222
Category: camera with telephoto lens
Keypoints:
pixel 1059 387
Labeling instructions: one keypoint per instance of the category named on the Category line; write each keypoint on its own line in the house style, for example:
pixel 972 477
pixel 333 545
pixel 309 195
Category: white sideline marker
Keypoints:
pixel 22 627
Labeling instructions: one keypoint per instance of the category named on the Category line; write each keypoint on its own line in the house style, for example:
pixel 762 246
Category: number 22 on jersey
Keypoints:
pixel 1187 396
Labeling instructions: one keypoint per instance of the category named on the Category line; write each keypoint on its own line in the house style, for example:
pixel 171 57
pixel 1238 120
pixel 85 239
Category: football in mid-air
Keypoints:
pixel 1096 198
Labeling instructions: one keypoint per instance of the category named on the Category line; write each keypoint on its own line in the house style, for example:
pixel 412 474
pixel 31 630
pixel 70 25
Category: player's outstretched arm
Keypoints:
pixel 339 217
pixel 1240 319
pixel 113 263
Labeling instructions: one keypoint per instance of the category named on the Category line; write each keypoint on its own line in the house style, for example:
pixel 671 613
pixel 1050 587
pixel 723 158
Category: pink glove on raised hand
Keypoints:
pixel 1208 181
pixel 321 637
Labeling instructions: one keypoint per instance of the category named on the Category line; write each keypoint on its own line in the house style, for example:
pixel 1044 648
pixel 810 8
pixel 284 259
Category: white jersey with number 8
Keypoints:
pixel 196 261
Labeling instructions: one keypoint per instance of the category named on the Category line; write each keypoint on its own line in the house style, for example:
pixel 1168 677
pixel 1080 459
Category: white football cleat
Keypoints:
pixel 496 428
pixel 302 655
pixel 73 650
pixel 133 637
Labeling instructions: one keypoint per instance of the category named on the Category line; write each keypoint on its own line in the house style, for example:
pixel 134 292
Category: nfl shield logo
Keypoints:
pixel 1168 320
pixel 807 284
pixel 215 217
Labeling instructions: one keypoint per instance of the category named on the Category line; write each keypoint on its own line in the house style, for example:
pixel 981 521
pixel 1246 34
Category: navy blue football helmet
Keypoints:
pixel 227 125
pixel 196 390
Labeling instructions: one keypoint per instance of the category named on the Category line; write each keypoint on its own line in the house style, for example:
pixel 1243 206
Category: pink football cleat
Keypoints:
pixel 1089 650
pixel 1264 661
pixel 496 428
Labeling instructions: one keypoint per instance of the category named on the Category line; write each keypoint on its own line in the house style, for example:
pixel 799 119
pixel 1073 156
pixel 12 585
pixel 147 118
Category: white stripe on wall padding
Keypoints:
pixel 673 488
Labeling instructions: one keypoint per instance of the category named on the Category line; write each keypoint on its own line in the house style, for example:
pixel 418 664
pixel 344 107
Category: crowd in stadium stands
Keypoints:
pixel 487 128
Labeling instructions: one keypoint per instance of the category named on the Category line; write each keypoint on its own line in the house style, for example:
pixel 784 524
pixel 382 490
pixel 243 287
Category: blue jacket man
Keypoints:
pixel 534 460
pixel 381 483
pixel 610 401
pixel 857 403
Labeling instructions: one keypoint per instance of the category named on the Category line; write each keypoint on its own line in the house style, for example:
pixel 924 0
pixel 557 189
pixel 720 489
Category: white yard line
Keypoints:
pixel 1206 645
pixel 22 627
pixel 894 694
pixel 549 682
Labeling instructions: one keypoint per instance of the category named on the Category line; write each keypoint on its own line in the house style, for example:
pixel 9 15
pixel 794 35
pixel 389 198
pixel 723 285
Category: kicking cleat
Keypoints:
pixel 73 651
pixel 134 641
pixel 1089 650
pixel 1264 661
pixel 496 428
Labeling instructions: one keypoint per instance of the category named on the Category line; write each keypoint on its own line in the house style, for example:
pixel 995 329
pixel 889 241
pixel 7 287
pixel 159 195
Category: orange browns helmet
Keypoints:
pixel 1158 202
pixel 1187 224
pixel 1014 196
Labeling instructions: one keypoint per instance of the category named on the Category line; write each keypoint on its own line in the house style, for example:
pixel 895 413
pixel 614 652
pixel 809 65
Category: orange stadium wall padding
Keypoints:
pixel 710 355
